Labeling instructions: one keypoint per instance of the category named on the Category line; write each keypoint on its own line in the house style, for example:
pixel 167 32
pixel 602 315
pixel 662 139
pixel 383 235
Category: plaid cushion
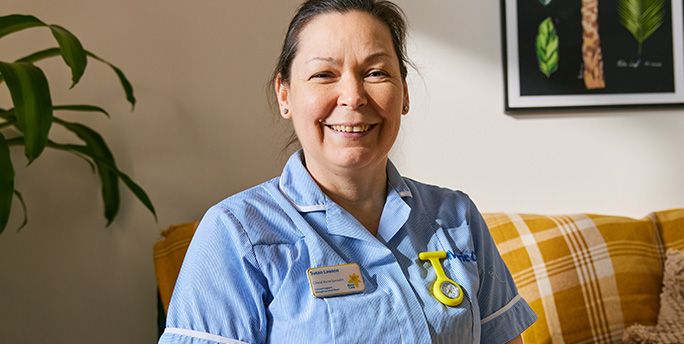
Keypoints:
pixel 586 276
pixel 168 258
pixel 671 228
pixel 671 316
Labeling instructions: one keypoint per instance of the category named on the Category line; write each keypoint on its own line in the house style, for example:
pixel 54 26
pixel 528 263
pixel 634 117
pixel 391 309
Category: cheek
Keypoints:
pixel 393 128
pixel 304 127
pixel 389 100
pixel 391 103
pixel 312 105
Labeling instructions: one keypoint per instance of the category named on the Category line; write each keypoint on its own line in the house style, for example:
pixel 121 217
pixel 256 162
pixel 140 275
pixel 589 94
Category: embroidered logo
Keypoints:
pixel 466 256
pixel 353 281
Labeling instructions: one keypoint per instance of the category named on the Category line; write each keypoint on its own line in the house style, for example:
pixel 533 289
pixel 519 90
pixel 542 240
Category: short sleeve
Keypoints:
pixel 504 314
pixel 220 293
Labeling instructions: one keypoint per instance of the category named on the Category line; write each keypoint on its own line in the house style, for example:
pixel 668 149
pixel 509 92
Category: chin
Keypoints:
pixel 357 158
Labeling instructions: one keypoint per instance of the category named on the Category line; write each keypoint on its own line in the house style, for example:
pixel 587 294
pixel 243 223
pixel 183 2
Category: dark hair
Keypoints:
pixel 385 11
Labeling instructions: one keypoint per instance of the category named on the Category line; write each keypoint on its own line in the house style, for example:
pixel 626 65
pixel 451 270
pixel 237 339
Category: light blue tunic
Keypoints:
pixel 244 276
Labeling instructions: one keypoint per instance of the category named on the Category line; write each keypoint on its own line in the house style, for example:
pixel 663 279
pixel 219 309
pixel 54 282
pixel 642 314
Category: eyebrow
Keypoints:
pixel 374 56
pixel 325 59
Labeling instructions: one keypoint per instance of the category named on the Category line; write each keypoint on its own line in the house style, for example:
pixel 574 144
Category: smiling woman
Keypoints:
pixel 331 250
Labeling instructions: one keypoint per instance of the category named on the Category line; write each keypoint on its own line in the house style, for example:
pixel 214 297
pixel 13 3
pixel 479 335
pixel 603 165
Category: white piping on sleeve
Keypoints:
pixel 202 335
pixel 501 310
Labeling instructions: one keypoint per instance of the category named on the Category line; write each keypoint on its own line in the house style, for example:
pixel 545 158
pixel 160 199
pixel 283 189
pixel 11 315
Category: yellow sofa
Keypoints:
pixel 587 276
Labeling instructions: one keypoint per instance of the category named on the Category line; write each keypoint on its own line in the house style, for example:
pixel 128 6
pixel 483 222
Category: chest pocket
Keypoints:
pixel 462 258
pixel 456 324
pixel 364 318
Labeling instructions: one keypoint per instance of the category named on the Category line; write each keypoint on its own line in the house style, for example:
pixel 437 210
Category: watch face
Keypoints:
pixel 449 289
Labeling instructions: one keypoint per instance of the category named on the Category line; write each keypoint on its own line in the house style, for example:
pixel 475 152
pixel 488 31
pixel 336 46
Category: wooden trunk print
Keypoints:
pixel 591 46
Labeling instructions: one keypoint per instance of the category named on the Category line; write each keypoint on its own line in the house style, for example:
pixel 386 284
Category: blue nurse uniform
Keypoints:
pixel 244 278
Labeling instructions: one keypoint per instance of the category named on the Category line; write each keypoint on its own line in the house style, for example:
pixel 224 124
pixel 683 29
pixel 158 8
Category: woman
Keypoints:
pixel 330 251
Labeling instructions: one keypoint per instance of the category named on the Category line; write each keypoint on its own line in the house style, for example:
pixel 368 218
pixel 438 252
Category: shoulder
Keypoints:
pixel 255 214
pixel 433 192
pixel 441 202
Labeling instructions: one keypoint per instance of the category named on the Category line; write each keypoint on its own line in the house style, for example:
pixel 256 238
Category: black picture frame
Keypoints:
pixel 543 72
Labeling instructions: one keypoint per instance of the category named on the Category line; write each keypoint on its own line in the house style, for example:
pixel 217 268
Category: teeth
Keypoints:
pixel 351 129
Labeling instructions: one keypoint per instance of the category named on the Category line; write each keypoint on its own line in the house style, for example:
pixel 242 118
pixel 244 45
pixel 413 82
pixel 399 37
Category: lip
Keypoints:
pixel 332 127
pixel 347 123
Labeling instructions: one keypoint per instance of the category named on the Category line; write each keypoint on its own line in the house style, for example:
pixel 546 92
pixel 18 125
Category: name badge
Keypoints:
pixel 335 280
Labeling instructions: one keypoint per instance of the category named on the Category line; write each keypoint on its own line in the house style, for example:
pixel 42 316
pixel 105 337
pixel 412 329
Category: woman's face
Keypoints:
pixel 346 93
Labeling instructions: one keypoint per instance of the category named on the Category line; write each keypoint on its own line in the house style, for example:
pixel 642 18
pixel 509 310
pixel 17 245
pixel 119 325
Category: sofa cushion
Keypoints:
pixel 586 276
pixel 168 258
pixel 671 228
pixel 670 327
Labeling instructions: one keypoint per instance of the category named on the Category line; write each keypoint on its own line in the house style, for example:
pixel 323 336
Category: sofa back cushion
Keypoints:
pixel 586 276
pixel 671 227
pixel 168 258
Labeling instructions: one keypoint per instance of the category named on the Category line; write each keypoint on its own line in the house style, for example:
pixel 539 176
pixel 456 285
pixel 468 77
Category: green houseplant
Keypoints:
pixel 28 121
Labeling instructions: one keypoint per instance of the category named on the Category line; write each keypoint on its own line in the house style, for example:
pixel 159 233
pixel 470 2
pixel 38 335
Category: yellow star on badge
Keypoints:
pixel 354 279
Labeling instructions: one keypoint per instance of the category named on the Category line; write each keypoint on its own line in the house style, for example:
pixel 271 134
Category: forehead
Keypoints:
pixel 335 34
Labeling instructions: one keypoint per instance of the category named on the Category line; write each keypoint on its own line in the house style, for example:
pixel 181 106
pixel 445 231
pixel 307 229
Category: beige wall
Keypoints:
pixel 202 130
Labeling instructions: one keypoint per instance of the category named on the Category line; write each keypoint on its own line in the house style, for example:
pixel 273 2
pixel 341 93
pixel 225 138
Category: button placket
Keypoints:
pixel 410 309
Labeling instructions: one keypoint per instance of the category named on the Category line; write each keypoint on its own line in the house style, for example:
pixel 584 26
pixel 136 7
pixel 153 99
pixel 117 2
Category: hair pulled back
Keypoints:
pixel 385 11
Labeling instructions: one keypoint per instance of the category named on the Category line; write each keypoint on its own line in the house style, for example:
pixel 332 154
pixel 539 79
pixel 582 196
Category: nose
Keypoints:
pixel 352 93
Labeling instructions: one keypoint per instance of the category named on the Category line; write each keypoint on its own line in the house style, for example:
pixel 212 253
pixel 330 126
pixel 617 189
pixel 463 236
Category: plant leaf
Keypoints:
pixel 11 121
pixel 641 18
pixel 32 104
pixel 6 124
pixel 547 47
pixel 72 52
pixel 98 148
pixel 40 55
pixel 17 22
pixel 85 158
pixel 24 210
pixel 125 84
pixel 70 47
pixel 8 116
pixel 15 141
pixel 138 192
pixel 135 188
pixel 6 168
pixel 37 56
pixel 6 183
pixel 128 88
pixel 82 108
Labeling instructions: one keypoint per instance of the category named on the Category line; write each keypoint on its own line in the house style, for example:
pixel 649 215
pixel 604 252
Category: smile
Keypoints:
pixel 362 128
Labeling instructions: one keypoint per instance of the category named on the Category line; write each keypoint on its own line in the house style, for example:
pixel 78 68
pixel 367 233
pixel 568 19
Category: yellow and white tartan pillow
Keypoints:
pixel 168 258
pixel 671 228
pixel 586 276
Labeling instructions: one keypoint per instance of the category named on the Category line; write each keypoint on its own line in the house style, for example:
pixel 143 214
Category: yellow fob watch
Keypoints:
pixel 444 289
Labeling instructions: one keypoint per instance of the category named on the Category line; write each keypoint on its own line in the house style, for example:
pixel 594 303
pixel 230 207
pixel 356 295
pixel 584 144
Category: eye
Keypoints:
pixel 321 75
pixel 377 74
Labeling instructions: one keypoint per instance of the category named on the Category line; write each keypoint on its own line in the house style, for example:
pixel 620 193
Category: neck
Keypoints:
pixel 361 192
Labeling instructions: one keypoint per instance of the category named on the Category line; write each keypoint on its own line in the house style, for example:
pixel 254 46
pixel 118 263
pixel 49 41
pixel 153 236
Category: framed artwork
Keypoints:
pixel 562 54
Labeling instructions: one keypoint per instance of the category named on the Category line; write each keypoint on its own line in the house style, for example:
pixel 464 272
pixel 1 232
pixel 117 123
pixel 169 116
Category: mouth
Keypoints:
pixel 354 129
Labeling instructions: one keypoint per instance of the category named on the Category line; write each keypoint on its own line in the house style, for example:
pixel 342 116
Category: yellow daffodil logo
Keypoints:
pixel 354 279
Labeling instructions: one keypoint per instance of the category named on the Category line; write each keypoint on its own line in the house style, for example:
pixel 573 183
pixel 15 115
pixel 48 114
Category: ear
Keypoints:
pixel 407 101
pixel 282 91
